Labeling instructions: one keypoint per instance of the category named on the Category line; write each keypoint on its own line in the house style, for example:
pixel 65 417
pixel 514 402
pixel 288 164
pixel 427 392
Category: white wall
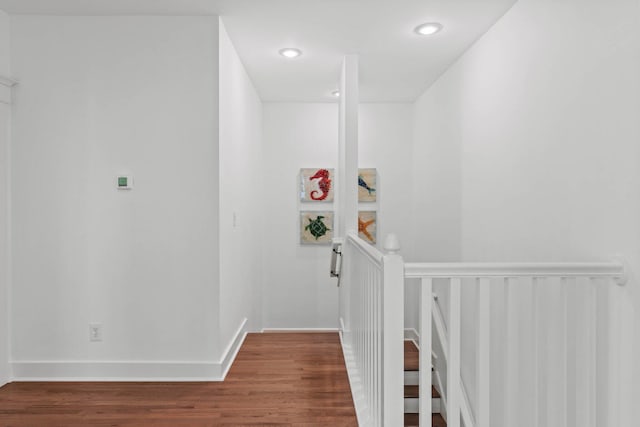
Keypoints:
pixel 102 96
pixel 241 193
pixel 544 109
pixel 298 292
pixel 297 289
pixel 436 192
pixel 385 143
pixel 436 177
pixel 386 135
pixel 4 200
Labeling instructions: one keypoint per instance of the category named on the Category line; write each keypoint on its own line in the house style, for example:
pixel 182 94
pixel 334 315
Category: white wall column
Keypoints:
pixel 347 212
pixel 347 200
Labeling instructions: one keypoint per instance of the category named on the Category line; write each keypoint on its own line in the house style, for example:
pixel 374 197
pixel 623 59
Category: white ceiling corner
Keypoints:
pixel 396 65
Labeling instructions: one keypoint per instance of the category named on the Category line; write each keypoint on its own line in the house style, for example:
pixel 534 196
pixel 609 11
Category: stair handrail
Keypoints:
pixel 615 269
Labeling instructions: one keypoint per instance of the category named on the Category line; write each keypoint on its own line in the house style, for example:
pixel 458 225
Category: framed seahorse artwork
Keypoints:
pixel 368 226
pixel 316 227
pixel 367 185
pixel 316 185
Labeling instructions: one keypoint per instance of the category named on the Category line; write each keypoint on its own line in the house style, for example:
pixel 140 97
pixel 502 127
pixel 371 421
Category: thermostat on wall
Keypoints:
pixel 125 183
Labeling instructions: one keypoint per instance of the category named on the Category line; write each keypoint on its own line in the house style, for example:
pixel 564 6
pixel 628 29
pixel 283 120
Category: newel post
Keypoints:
pixel 393 333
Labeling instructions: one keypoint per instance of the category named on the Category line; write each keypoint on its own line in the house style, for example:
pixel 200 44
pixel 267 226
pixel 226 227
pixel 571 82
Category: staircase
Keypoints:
pixel 412 390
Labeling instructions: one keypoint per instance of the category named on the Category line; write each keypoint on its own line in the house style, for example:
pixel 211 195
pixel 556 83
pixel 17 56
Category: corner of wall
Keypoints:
pixel 240 163
pixel 5 199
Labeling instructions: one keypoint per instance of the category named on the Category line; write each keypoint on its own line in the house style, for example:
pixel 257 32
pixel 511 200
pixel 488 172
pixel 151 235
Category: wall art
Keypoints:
pixel 316 228
pixel 316 185
pixel 368 226
pixel 367 185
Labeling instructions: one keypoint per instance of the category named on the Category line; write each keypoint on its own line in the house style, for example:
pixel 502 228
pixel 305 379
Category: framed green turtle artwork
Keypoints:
pixel 367 185
pixel 316 227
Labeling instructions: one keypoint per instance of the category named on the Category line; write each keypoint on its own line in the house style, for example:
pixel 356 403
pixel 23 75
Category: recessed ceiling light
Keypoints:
pixel 428 29
pixel 335 94
pixel 290 52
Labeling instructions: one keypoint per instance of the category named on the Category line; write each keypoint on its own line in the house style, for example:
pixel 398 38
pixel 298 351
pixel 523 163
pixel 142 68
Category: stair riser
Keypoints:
pixel 412 405
pixel 413 378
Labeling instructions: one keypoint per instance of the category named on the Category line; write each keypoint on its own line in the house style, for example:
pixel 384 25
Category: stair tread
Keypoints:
pixel 411 357
pixel 412 420
pixel 413 391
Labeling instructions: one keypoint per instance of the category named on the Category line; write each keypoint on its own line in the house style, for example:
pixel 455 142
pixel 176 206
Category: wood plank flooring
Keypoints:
pixel 276 380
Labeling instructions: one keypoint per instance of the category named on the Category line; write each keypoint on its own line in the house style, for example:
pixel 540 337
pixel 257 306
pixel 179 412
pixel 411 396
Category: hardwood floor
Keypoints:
pixel 276 380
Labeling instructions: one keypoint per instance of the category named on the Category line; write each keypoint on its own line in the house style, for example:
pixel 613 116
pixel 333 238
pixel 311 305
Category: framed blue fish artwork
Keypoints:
pixel 367 185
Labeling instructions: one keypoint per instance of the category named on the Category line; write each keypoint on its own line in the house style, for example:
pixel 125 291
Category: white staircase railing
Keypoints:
pixel 537 338
pixel 373 331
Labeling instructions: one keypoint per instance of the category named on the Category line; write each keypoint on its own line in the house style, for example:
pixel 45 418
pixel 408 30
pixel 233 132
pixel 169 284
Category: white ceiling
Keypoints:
pixel 396 65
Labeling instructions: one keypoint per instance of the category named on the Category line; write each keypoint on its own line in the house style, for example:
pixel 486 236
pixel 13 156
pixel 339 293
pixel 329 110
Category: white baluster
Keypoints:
pixel 393 327
pixel 573 361
pixel 498 359
pixel 540 335
pixel 483 352
pixel 592 349
pixel 367 347
pixel 585 369
pixel 377 348
pixel 555 352
pixel 526 351
pixel 512 373
pixel 426 340
pixel 564 415
pixel 454 393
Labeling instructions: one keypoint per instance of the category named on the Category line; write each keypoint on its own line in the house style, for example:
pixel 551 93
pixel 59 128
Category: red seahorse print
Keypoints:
pixel 324 183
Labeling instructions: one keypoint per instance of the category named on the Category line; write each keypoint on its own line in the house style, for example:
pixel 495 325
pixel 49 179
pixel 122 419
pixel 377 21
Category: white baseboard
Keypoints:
pixel 295 330
pixel 232 349
pixel 70 370
pixel 115 371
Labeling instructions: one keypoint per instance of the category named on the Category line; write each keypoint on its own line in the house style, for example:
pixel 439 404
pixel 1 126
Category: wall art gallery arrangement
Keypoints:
pixel 316 186
pixel 367 219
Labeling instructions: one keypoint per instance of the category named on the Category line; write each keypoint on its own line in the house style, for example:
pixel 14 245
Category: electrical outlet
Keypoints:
pixel 95 332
